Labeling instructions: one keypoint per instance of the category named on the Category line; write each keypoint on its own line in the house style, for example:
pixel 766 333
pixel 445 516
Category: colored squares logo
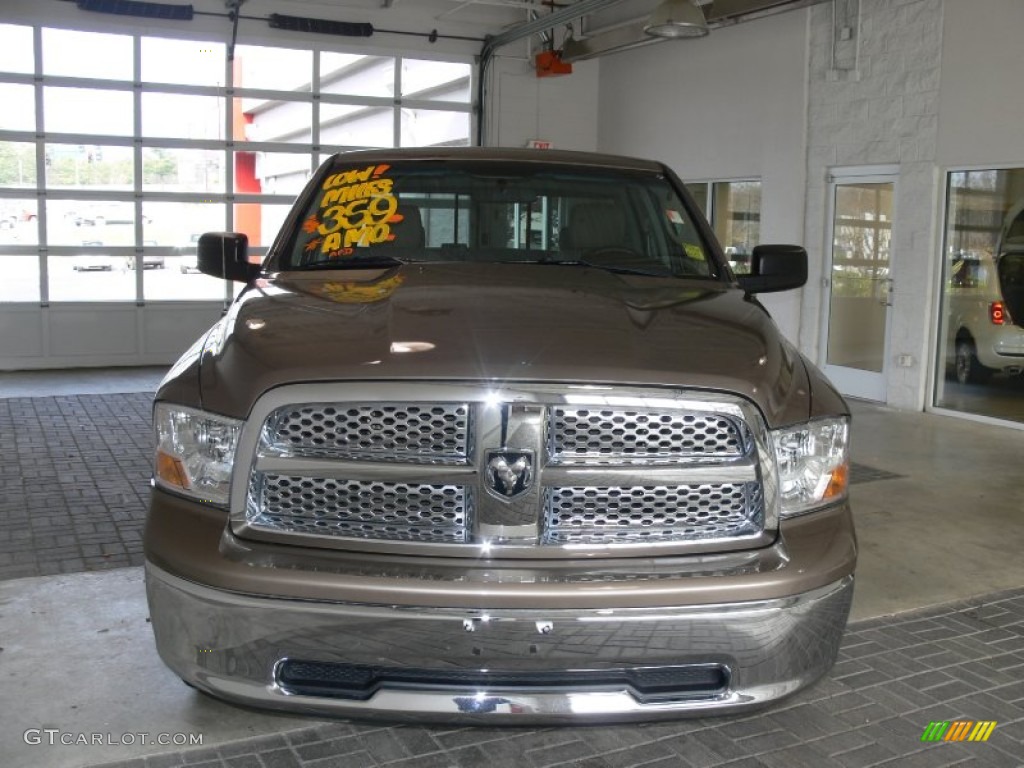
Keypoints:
pixel 959 730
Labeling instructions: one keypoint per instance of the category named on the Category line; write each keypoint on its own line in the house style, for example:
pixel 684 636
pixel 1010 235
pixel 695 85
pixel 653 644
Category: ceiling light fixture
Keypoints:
pixel 675 19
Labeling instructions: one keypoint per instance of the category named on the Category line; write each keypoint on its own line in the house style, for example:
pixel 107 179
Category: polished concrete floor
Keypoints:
pixel 939 506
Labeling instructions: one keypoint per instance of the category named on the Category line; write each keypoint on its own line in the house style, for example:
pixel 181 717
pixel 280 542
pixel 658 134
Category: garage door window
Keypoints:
pixel 137 146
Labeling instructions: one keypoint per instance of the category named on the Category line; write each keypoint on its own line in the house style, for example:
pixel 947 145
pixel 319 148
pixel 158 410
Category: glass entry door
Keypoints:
pixel 859 285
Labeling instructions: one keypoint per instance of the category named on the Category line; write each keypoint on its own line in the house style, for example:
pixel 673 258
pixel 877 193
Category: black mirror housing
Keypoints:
pixel 775 268
pixel 225 255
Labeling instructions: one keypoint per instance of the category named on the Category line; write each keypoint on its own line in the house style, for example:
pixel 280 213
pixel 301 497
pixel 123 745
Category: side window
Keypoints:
pixel 734 210
pixel 685 234
pixel 968 272
pixel 685 241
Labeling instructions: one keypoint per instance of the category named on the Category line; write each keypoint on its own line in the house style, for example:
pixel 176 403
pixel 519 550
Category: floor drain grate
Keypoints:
pixel 861 473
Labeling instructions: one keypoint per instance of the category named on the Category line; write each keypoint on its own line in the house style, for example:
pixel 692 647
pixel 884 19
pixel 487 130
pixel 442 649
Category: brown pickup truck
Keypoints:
pixel 496 435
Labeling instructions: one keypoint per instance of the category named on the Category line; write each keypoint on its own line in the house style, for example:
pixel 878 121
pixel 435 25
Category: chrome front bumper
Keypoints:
pixel 234 646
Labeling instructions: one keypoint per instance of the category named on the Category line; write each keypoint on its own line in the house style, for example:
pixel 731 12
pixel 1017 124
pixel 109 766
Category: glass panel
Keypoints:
pixel 94 274
pixel 279 69
pixel 87 110
pixel 699 192
pixel 87 54
pixel 93 222
pixel 176 278
pixel 18 225
pixel 19 112
pixel 260 221
pixel 431 127
pixel 182 117
pixel 89 166
pixel 184 62
pixel 355 75
pixel 860 272
pixel 288 121
pixel 21 277
pixel 736 214
pixel 183 170
pixel 16 49
pixel 347 126
pixel 174 275
pixel 436 80
pixel 180 224
pixel 17 164
pixel 274 173
pixel 981 337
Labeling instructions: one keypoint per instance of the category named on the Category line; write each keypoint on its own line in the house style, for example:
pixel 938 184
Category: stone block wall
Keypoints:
pixel 881 111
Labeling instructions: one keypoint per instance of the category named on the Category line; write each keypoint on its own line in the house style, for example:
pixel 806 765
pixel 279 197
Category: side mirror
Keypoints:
pixel 775 268
pixel 225 255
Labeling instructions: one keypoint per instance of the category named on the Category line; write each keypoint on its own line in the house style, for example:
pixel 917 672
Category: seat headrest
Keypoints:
pixel 595 225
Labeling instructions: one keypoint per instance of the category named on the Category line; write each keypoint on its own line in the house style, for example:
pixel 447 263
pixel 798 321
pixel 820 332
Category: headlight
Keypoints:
pixel 813 462
pixel 195 452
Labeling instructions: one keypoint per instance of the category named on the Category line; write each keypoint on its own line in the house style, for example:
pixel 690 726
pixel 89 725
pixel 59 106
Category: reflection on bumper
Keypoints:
pixel 234 646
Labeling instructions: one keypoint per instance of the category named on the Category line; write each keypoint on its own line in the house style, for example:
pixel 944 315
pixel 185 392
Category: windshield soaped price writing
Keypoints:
pixel 356 209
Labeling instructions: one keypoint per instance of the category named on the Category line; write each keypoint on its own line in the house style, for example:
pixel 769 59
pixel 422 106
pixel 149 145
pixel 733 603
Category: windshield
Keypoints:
pixel 368 215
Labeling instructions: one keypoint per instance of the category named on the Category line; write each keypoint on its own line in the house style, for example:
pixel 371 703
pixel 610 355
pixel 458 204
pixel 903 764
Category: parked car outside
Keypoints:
pixel 445 461
pixel 986 307
pixel 187 263
pixel 149 260
pixel 93 262
pixel 101 214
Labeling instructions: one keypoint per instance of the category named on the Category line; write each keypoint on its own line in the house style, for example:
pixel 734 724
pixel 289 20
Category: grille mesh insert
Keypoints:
pixel 359 508
pixel 411 432
pixel 589 515
pixel 610 435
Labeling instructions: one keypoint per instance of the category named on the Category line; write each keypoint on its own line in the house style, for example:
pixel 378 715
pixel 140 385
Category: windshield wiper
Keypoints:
pixel 376 262
pixel 606 267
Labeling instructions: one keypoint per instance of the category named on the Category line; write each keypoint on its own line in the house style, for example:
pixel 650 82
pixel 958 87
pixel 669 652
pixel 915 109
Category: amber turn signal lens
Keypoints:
pixel 838 483
pixel 171 470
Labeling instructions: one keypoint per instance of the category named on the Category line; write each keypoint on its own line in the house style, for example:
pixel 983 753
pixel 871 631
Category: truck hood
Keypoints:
pixel 499 323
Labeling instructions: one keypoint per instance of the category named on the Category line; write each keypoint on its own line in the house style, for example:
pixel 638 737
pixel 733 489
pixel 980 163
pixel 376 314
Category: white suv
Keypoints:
pixel 986 304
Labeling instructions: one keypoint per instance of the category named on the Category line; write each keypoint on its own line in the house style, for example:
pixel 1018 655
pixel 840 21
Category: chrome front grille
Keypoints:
pixel 650 436
pixel 359 509
pixel 414 432
pixel 634 514
pixel 430 473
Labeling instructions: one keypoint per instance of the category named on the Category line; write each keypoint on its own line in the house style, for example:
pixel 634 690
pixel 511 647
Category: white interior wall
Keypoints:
pixel 728 106
pixel 981 112
pixel 522 106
